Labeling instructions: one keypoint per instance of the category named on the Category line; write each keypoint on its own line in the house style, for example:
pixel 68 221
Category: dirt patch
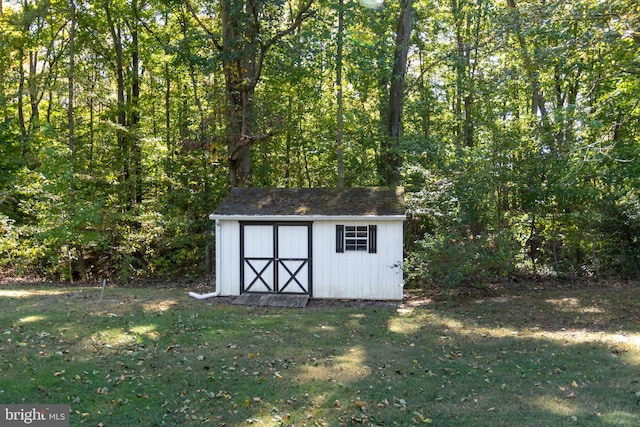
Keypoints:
pixel 536 284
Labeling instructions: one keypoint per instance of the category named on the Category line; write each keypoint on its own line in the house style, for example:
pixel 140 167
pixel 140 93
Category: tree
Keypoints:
pixel 339 98
pixel 390 158
pixel 249 30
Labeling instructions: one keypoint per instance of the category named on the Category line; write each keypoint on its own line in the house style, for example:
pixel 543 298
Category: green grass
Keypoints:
pixel 149 357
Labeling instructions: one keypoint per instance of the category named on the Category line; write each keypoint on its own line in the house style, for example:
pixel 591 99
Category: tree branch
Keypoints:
pixel 250 140
pixel 303 14
pixel 201 24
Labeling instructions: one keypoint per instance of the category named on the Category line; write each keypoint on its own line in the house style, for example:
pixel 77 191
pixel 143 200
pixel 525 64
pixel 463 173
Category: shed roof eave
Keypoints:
pixel 308 217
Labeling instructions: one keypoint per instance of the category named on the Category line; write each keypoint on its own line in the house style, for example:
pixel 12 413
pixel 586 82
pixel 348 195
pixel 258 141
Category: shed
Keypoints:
pixel 320 242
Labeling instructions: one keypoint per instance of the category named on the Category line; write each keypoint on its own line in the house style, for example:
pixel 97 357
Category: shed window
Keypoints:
pixel 356 238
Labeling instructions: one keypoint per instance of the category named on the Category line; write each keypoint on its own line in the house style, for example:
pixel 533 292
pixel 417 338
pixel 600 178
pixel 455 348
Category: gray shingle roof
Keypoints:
pixel 368 201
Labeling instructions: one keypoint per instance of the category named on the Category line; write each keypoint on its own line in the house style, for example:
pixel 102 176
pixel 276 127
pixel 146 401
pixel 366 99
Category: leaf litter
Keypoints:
pixel 451 363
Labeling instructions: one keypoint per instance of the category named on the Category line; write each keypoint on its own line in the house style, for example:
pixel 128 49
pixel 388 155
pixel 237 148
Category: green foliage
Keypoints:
pixel 519 139
pixel 619 237
pixel 442 263
pixel 450 255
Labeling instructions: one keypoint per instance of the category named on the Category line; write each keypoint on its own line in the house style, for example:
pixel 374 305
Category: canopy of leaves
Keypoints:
pixel 520 133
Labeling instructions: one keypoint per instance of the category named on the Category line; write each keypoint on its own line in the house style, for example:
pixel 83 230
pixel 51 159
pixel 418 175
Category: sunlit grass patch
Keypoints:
pixel 409 321
pixel 31 318
pixel 28 292
pixel 555 405
pixel 159 306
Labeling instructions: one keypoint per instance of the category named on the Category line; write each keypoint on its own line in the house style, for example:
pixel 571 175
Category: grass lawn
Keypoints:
pixel 155 357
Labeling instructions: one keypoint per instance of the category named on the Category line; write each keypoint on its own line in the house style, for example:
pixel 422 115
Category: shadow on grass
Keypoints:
pixel 156 357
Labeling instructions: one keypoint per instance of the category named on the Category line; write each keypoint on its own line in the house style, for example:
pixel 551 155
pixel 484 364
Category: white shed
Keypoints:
pixel 320 242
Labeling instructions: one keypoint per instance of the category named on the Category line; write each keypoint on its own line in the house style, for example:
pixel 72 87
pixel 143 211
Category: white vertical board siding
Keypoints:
pixel 228 257
pixel 347 275
pixel 358 274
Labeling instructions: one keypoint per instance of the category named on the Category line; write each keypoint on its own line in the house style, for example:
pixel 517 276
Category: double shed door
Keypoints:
pixel 275 257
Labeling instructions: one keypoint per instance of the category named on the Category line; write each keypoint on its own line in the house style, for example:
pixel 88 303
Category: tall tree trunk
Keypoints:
pixel 21 118
pixel 169 141
pixel 538 102
pixel 339 101
pixel 467 27
pixel 426 99
pixel 121 113
pixel 92 113
pixel 34 98
pixel 240 81
pixel 239 119
pixel 71 79
pixel 134 122
pixel 167 123
pixel 460 68
pixel 390 158
pixel 72 136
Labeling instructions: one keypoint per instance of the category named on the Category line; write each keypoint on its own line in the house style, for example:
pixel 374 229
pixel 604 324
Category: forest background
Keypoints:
pixel 513 126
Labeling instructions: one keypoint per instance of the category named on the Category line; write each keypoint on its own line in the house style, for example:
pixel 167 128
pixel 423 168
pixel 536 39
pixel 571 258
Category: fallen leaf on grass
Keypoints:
pixel 383 404
pixel 421 418
pixel 400 403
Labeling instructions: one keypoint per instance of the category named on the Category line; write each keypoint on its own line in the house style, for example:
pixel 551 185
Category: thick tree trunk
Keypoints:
pixel 240 79
pixel 121 112
pixel 239 119
pixel 390 158
pixel 243 51
pixel 134 121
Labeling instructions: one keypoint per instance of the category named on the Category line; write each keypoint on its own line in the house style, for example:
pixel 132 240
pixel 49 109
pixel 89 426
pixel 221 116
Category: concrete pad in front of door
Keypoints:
pixel 273 300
